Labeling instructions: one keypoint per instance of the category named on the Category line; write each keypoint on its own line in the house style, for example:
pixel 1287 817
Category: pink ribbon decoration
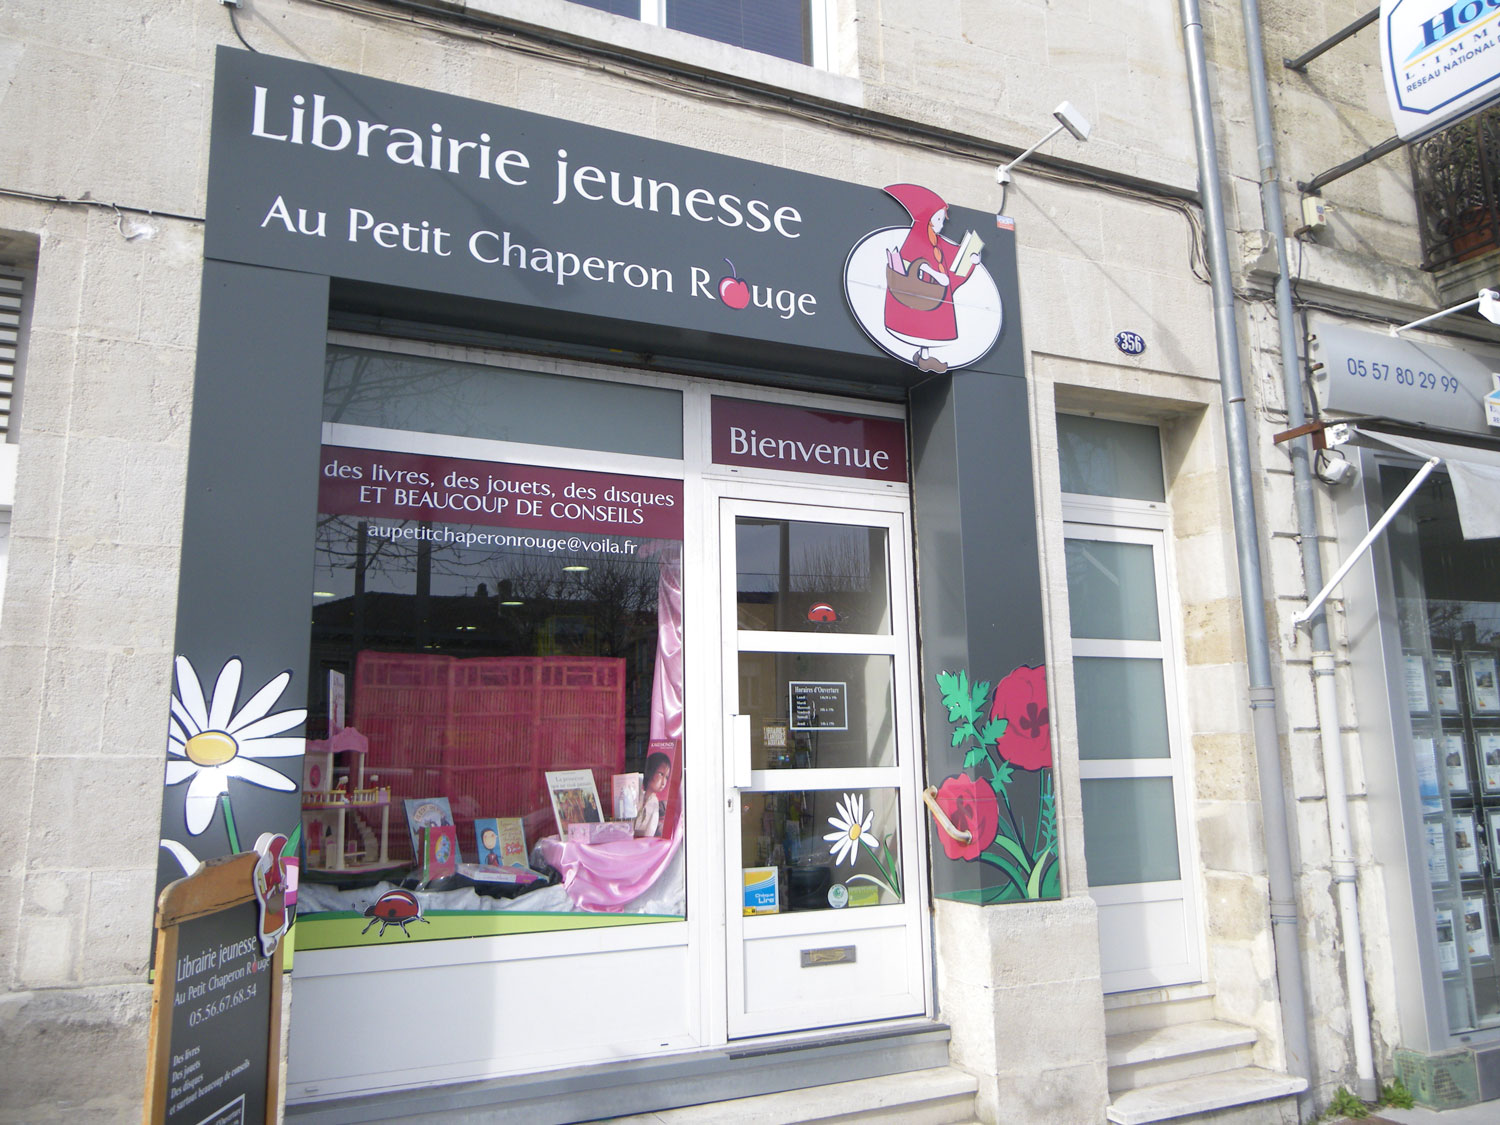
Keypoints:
pixel 605 877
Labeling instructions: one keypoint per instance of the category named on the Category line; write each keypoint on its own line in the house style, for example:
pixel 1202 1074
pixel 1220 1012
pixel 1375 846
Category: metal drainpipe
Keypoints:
pixel 1284 926
pixel 1341 846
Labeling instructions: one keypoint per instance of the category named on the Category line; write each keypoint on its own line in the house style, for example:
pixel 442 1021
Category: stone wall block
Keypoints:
pixel 121 793
pixel 1212 632
pixel 69 727
pixel 17 778
pixel 1238 908
pixel 1229 836
pixel 137 702
pixel 120 920
pixel 113 270
pixel 1218 697
pixel 112 595
pixel 44 1034
pixel 1203 564
pixel 131 391
pixel 153 486
pixel 170 283
pixel 46 955
pixel 1020 987
pixel 51 367
pixel 1304 768
pixel 1224 767
pixel 91 488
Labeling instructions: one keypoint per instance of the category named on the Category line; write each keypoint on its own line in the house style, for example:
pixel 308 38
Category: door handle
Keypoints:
pixel 929 797
pixel 739 751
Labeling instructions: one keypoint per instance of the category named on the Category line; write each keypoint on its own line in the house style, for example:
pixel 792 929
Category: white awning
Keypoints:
pixel 1475 473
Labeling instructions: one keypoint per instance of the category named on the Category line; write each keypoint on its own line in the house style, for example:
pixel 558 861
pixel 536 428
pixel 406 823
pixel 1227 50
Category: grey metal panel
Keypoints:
pixel 1412 381
pixel 245 583
pixel 978 574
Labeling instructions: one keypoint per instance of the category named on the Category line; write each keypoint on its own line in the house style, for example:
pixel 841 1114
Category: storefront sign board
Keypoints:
pixel 1384 376
pixel 215 1040
pixel 573 228
pixel 1441 60
pixel 765 435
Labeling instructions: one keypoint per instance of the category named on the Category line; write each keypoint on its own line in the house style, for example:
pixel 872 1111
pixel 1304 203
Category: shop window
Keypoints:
pixel 1448 608
pixel 783 28
pixel 495 715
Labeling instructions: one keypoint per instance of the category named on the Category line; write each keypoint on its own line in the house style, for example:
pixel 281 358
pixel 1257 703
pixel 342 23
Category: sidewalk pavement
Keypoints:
pixel 1485 1113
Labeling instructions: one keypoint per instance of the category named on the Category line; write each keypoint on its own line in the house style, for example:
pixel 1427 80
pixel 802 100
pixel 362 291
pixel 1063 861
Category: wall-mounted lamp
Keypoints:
pixel 1068 118
pixel 1489 308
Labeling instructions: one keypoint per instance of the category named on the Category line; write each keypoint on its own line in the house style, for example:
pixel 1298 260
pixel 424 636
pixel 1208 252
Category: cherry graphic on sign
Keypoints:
pixel 732 289
pixel 822 612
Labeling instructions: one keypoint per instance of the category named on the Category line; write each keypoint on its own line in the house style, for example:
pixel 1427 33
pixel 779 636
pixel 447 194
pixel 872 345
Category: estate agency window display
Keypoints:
pixel 496 698
pixel 1448 605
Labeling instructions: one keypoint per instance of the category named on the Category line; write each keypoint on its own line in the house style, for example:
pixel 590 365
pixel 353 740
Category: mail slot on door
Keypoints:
pixel 831 955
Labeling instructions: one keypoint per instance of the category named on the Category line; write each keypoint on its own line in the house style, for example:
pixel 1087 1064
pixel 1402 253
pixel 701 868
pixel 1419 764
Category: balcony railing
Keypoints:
pixel 1456 174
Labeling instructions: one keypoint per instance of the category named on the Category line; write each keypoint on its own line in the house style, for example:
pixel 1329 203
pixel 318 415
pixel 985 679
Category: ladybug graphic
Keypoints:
pixel 821 611
pixel 394 908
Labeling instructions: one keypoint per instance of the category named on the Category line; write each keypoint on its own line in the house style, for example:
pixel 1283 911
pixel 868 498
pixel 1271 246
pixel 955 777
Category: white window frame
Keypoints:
pixel 654 14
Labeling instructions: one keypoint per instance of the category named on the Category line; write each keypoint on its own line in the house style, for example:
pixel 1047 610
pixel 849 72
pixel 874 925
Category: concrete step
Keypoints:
pixel 940 1096
pixel 1157 1007
pixel 1224 1090
pixel 1179 1050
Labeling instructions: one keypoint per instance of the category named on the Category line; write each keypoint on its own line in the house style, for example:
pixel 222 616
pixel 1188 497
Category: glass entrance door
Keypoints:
pixel 822 861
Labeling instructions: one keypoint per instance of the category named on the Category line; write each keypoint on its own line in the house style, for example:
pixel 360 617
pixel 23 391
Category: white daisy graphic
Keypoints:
pixel 855 823
pixel 210 742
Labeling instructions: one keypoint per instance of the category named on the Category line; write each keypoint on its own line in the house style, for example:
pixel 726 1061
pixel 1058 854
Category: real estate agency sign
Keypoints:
pixel 1441 61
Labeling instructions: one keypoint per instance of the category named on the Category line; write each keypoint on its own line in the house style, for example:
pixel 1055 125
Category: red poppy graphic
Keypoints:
pixel 972 807
pixel 1021 700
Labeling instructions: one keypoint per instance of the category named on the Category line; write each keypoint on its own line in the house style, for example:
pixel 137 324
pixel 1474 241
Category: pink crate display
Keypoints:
pixel 483 731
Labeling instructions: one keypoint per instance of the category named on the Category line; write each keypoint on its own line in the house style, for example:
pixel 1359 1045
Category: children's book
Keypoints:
pixel 512 842
pixel 439 852
pixel 575 798
pixel 426 812
pixel 627 795
pixel 661 794
pixel 487 841
pixel 511 876
pixel 972 244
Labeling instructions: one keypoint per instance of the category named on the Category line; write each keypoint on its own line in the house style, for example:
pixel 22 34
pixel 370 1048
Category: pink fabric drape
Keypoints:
pixel 666 684
pixel 605 877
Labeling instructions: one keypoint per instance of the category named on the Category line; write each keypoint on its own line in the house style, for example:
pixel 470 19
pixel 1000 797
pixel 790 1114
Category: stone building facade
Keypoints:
pixel 139 478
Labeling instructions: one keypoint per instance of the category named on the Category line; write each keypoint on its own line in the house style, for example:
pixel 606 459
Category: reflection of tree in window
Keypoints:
pixel 786 567
pixel 378 591
pixel 399 392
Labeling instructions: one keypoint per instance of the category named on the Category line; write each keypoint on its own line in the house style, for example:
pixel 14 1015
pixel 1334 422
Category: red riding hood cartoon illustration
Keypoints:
pixel 904 286
pixel 924 275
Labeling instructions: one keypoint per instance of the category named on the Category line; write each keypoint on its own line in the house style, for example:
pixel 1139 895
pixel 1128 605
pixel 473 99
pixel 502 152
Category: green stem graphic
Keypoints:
pixel 1004 865
pixel 234 836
